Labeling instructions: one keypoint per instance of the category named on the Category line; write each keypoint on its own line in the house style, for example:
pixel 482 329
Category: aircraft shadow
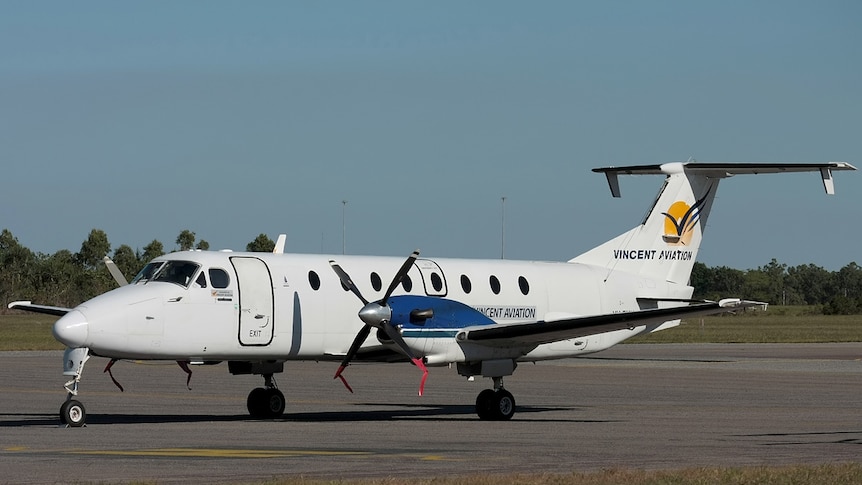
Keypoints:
pixel 399 412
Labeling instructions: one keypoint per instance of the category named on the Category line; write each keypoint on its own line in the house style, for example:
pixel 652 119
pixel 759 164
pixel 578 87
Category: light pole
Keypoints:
pixel 502 227
pixel 343 227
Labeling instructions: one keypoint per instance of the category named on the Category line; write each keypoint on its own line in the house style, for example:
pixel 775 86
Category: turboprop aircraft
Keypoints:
pixel 258 311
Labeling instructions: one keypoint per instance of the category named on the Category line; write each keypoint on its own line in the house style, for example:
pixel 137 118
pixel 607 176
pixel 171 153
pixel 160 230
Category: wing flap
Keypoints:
pixel 537 333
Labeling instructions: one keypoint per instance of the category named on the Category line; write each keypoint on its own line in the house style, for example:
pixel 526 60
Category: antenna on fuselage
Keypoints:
pixel 279 244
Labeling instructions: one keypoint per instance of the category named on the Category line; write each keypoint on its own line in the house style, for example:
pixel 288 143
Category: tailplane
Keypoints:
pixel 665 245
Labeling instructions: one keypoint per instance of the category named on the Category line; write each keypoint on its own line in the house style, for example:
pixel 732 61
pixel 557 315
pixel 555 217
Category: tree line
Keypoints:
pixel 66 278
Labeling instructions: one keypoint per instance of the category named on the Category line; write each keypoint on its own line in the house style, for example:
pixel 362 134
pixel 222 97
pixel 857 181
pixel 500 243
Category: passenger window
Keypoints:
pixel 495 284
pixel 314 280
pixel 523 285
pixel 376 283
pixel 202 280
pixel 436 282
pixel 407 283
pixel 466 285
pixel 219 278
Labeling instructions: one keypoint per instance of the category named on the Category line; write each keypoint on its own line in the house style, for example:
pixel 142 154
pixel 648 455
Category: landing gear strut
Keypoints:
pixel 72 412
pixel 495 404
pixel 266 402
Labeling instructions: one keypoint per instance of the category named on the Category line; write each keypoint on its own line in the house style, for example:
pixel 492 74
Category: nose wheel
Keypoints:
pixel 72 413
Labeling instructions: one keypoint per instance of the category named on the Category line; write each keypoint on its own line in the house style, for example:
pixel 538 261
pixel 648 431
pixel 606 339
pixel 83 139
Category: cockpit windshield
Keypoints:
pixel 147 272
pixel 177 272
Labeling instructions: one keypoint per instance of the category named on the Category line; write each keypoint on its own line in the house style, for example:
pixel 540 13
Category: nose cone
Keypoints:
pixel 72 329
pixel 375 314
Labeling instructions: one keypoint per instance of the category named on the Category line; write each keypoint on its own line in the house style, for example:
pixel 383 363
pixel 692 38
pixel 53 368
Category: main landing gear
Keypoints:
pixel 495 404
pixel 266 402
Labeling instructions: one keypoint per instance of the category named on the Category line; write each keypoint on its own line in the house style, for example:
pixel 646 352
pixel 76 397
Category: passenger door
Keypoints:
pixel 256 309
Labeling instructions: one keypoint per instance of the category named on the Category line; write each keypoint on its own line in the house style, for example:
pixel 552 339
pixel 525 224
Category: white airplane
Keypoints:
pixel 259 310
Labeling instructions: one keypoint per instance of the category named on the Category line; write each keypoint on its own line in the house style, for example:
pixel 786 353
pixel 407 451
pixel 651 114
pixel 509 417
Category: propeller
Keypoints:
pixel 377 314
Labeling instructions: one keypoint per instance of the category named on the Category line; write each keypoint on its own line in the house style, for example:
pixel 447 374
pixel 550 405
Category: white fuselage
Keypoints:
pixel 293 307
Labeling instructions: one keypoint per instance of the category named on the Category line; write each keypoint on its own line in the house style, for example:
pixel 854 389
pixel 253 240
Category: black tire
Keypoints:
pixel 255 402
pixel 73 413
pixel 273 403
pixel 484 404
pixel 503 407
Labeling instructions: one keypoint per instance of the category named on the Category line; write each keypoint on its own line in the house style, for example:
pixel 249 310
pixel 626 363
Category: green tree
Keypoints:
pixel 186 240
pixel 16 263
pixel 203 245
pixel 261 244
pixel 849 281
pixel 127 261
pixel 809 284
pixel 151 251
pixel 94 249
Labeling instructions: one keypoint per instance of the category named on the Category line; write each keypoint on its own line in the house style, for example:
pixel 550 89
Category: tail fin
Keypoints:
pixel 665 245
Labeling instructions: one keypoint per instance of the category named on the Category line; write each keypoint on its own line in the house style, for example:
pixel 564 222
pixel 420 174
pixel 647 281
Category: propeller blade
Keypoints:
pixel 395 335
pixel 115 272
pixel 346 281
pixel 354 347
pixel 405 268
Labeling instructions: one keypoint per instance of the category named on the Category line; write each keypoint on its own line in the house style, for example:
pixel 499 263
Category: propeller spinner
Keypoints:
pixel 377 314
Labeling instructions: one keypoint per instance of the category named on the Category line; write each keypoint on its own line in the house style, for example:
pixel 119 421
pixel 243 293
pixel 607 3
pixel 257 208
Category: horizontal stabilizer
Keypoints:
pixel 723 170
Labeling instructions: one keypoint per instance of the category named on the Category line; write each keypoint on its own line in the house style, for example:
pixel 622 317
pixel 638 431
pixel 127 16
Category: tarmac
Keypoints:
pixel 663 406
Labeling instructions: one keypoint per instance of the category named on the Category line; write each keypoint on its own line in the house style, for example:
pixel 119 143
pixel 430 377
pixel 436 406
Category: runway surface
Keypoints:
pixel 634 406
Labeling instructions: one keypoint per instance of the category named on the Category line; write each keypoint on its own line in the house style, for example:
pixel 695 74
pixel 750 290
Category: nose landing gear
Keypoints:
pixel 72 412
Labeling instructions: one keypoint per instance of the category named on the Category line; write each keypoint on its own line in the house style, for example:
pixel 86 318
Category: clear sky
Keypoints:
pixel 238 118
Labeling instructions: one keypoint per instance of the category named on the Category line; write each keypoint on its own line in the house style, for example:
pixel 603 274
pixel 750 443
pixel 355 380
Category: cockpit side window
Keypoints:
pixel 219 278
pixel 202 280
pixel 177 272
pixel 147 272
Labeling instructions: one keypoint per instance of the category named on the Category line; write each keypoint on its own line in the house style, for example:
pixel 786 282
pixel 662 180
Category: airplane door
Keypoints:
pixel 432 277
pixel 256 315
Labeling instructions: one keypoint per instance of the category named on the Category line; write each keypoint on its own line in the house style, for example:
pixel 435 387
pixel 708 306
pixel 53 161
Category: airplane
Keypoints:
pixel 258 311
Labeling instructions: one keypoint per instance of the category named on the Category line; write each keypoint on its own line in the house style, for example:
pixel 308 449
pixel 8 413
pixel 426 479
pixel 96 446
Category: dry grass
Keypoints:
pixel 849 473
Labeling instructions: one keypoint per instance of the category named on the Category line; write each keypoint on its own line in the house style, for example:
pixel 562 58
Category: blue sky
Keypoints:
pixel 237 118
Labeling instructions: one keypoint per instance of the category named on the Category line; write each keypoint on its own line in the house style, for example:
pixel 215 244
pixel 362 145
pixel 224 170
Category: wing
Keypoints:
pixel 542 332
pixel 30 307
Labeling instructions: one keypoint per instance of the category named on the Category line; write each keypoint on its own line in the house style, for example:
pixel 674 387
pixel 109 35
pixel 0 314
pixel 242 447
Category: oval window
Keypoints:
pixel 466 285
pixel 495 284
pixel 407 283
pixel 314 280
pixel 436 282
pixel 376 283
pixel 524 285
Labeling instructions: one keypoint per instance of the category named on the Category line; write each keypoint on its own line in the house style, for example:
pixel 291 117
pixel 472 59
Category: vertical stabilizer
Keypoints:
pixel 665 245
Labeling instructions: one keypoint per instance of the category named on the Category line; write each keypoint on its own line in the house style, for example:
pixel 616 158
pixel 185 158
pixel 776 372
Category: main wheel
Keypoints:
pixel 273 403
pixel 503 405
pixel 72 413
pixel 255 402
pixel 484 403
